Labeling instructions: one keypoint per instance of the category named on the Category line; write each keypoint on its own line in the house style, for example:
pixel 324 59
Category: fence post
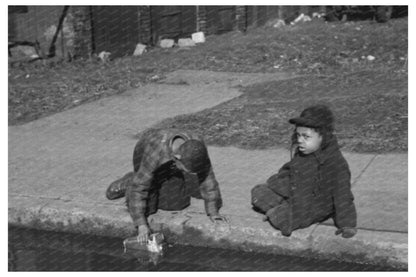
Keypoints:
pixel 241 18
pixel 201 19
pixel 83 32
pixel 145 28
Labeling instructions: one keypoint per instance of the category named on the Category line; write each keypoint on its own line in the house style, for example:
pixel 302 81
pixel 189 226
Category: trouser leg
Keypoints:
pixel 279 209
pixel 263 198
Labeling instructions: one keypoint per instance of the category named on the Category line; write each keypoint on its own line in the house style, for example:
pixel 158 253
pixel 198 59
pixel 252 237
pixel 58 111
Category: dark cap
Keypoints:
pixel 318 116
pixel 194 156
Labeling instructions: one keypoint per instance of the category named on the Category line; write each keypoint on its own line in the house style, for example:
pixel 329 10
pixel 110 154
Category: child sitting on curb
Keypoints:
pixel 315 185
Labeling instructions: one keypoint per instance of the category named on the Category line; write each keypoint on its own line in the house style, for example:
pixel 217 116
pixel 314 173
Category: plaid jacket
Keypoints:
pixel 152 158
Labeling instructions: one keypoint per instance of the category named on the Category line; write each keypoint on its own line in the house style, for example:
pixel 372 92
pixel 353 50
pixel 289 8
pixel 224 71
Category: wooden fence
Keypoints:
pixel 117 29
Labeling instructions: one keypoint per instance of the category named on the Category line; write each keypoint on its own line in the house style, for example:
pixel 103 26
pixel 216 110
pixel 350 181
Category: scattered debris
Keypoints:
pixel 198 37
pixel 24 51
pixel 104 56
pixel 279 23
pixel 316 66
pixel 140 49
pixel 318 15
pixel 155 78
pixel 275 23
pixel 186 42
pixel 167 43
pixel 301 18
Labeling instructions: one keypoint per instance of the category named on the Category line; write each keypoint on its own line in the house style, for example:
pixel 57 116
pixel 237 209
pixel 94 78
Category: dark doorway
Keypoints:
pixel 115 29
pixel 172 22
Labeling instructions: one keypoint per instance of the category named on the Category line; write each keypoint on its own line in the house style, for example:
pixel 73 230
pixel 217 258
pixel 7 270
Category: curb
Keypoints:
pixel 191 228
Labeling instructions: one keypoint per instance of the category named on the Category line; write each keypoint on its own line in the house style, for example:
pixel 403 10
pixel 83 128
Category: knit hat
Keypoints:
pixel 318 116
pixel 194 155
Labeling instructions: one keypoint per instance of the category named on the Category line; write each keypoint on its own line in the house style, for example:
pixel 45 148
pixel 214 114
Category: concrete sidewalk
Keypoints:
pixel 60 166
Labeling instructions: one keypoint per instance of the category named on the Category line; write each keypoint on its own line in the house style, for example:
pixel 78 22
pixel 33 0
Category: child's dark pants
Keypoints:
pixel 172 194
pixel 277 208
pixel 263 198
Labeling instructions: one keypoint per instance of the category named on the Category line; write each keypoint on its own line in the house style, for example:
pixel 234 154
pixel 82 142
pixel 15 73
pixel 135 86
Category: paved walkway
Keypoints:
pixel 60 166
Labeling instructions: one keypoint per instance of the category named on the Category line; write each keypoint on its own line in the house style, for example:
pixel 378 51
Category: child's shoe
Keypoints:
pixel 117 189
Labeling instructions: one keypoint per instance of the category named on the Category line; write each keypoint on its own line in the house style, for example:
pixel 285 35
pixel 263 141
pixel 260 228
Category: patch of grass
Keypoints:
pixel 371 113
pixel 37 90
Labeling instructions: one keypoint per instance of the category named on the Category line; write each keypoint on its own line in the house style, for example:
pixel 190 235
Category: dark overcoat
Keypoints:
pixel 315 187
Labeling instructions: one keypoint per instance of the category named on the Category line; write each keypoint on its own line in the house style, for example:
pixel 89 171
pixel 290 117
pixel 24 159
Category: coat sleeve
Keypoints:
pixel 280 182
pixel 211 194
pixel 139 190
pixel 345 212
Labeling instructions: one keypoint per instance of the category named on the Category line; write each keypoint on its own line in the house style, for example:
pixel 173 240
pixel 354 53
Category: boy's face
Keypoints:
pixel 308 140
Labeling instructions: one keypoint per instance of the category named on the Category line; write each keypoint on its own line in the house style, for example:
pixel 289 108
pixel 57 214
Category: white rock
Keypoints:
pixel 167 43
pixel 307 18
pixel 198 37
pixel 155 78
pixel 104 56
pixel 279 23
pixel 186 42
pixel 318 15
pixel 301 18
pixel 371 58
pixel 140 49
pixel 24 51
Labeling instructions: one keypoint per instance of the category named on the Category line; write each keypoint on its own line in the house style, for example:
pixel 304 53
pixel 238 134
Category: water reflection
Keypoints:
pixel 34 250
pixel 145 258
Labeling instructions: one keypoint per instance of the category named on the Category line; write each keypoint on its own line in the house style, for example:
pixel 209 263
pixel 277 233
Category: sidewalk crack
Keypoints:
pixel 362 171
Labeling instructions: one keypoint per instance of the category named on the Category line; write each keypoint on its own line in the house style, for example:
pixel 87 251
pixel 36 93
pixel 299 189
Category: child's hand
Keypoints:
pixel 143 234
pixel 347 232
